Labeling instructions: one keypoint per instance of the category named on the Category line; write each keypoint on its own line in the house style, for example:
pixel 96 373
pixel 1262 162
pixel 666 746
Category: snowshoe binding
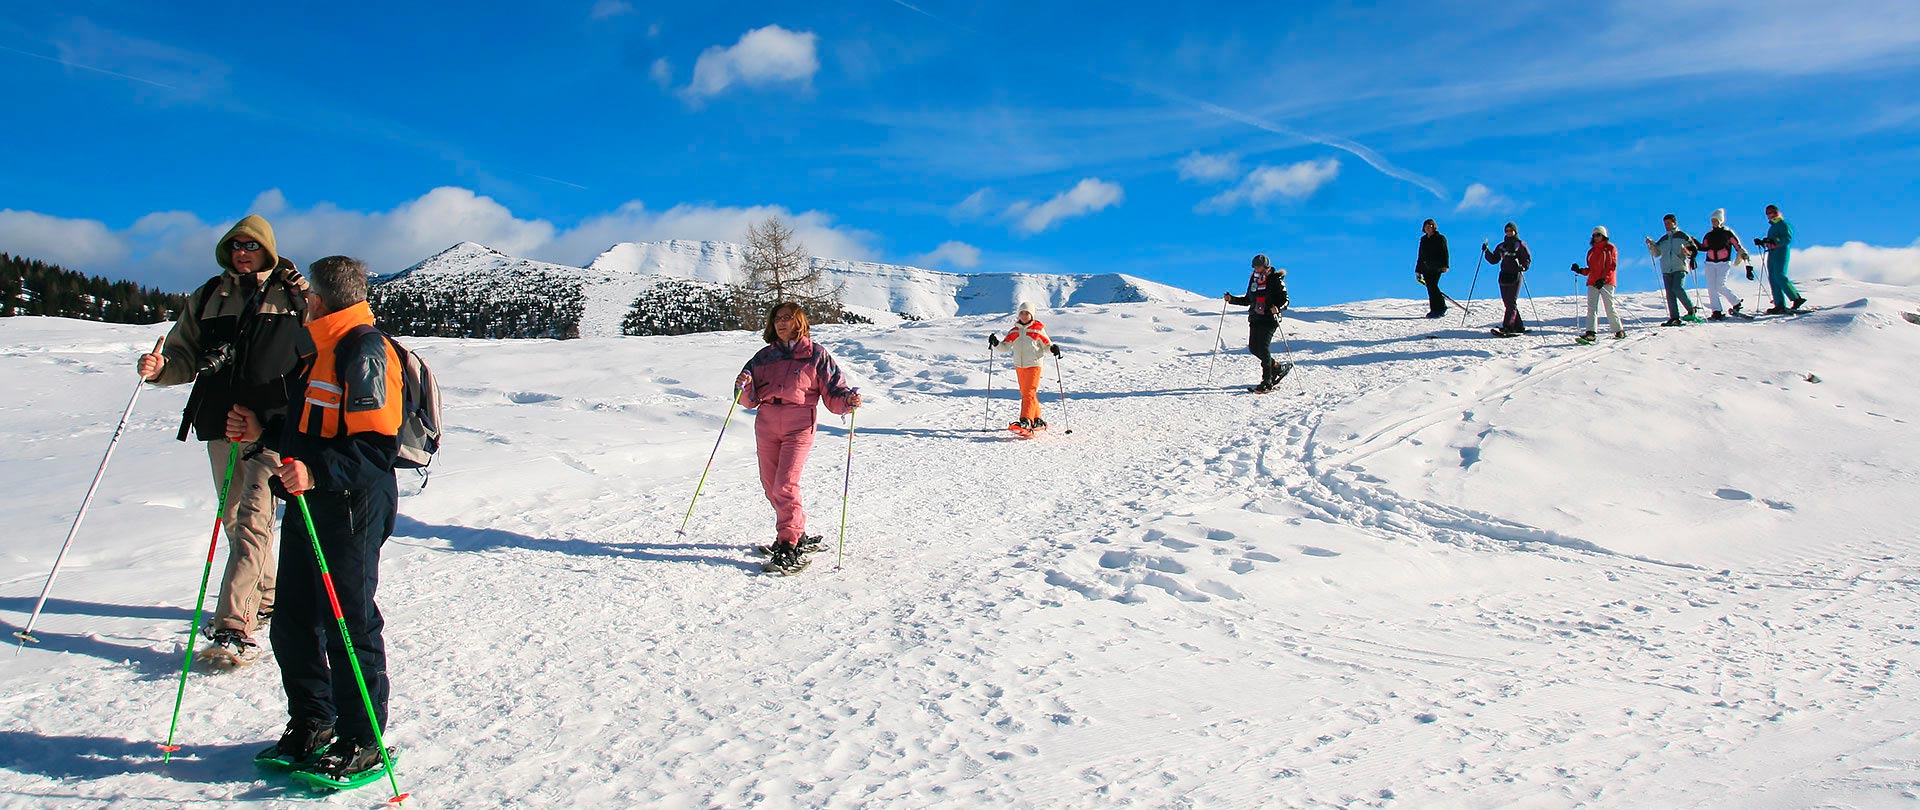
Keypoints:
pixel 346 765
pixel 231 649
pixel 784 560
pixel 302 745
pixel 1585 339
pixel 1021 428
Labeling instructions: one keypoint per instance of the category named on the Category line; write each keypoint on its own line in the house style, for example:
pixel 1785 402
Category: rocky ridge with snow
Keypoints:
pixel 608 285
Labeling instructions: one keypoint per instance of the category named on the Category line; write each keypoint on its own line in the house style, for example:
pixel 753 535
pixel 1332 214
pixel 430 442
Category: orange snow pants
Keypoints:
pixel 1029 392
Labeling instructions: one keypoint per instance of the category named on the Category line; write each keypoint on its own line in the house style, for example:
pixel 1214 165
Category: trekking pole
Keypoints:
pixel 346 640
pixel 26 634
pixel 710 457
pixel 1475 283
pixel 1579 286
pixel 1217 343
pixel 1062 380
pixel 193 630
pixel 846 489
pixel 1286 347
pixel 1468 309
pixel 986 411
pixel 1530 301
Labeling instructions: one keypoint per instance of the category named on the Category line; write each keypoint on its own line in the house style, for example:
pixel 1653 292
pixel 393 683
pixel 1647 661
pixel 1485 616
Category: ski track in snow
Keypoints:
pixel 1200 598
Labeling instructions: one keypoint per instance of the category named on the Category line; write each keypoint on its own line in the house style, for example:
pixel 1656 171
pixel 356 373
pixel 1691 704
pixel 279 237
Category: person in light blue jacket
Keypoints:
pixel 1675 251
pixel 1777 242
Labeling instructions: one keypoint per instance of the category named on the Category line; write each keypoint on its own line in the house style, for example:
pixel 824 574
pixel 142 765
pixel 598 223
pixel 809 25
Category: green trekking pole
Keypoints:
pixel 846 489
pixel 710 456
pixel 346 639
pixel 193 631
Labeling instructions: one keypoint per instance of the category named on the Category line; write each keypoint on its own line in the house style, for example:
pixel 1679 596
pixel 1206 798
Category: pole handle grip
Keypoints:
pixel 290 460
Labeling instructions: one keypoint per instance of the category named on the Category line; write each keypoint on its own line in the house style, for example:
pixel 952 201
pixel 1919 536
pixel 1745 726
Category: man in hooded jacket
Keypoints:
pixel 238 338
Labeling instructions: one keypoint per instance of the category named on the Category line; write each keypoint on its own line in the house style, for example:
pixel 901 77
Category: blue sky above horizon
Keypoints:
pixel 1166 143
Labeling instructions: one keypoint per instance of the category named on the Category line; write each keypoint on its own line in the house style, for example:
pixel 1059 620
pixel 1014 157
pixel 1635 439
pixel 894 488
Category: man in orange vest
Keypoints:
pixel 337 444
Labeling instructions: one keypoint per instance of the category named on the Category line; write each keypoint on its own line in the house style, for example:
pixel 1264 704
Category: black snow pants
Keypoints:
pixel 314 670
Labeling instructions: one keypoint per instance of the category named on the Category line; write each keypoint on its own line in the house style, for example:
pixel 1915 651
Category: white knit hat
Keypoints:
pixel 1720 215
pixel 1025 306
pixel 1601 230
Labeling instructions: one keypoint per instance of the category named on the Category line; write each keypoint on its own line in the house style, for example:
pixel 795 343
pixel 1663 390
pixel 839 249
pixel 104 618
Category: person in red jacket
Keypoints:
pixel 1603 260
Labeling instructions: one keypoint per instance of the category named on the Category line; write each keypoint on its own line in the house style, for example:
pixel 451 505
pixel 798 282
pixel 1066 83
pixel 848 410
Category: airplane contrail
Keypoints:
pixel 59 61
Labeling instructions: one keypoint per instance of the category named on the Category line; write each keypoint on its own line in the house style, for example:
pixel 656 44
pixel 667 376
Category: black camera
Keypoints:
pixel 216 359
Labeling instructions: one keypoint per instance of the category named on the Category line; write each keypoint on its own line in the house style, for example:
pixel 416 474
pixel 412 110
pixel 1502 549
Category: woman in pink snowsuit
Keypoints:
pixel 786 380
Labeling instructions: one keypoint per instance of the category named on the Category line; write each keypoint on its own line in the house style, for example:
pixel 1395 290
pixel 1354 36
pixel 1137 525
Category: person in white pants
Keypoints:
pixel 1718 248
pixel 1603 259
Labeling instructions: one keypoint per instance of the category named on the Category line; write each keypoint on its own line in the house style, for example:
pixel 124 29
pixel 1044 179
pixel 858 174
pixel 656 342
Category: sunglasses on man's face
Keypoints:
pixel 244 244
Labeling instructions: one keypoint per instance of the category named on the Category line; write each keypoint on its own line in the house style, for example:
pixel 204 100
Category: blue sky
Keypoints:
pixel 1167 143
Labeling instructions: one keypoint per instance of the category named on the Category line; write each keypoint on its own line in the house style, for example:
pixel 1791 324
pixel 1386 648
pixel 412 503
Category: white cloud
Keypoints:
pixel 1481 198
pixel 1266 183
pixel 951 254
pixel 975 206
pixel 632 222
pixel 173 250
pixel 1861 261
pixel 72 243
pixel 661 72
pixel 1086 197
pixel 1208 168
pixel 602 9
pixel 763 57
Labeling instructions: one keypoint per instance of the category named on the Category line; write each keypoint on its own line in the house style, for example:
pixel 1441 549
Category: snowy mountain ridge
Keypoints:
pixel 612 280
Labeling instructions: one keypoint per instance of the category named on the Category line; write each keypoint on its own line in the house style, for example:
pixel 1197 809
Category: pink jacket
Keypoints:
pixel 798 373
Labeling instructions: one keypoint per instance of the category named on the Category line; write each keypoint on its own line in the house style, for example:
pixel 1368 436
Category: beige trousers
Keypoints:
pixel 247 587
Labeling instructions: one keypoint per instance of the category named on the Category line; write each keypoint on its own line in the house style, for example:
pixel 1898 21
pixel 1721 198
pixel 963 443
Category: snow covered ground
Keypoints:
pixel 1435 570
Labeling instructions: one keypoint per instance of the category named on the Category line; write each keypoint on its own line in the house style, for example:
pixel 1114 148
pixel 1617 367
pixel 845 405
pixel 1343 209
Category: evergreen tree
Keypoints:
pixel 34 287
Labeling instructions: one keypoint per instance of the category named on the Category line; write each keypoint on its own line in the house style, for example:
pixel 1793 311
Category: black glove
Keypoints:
pixel 1055 348
pixel 1759 242
pixel 1575 267
pixel 993 341
pixel 1750 272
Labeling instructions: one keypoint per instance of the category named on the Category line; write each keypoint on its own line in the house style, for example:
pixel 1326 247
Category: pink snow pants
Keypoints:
pixel 784 434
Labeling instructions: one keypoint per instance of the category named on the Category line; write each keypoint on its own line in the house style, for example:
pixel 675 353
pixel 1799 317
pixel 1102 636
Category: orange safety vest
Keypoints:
pixel 322 414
